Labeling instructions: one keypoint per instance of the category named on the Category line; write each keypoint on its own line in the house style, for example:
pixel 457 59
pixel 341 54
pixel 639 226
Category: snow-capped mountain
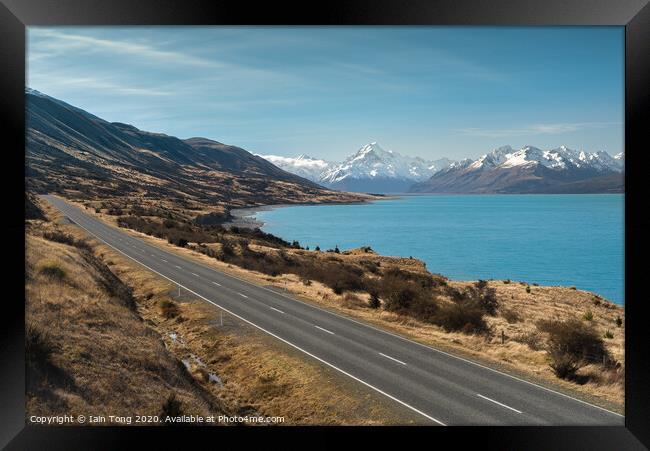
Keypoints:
pixel 370 169
pixel 302 165
pixel 528 169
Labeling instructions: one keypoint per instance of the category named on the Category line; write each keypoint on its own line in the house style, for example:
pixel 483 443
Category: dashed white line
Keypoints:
pixel 217 284
pixel 497 402
pixel 378 390
pixel 324 330
pixel 392 358
pixel 195 274
pixel 164 260
pixel 178 266
pixel 277 310
pixel 242 295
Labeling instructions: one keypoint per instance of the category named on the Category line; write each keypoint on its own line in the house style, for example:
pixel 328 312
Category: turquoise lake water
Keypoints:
pixel 574 240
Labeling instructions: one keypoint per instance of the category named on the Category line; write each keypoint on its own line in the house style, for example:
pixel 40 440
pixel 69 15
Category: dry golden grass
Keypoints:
pixel 105 360
pixel 257 373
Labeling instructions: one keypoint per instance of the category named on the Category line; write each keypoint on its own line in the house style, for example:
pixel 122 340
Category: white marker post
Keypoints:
pixel 221 316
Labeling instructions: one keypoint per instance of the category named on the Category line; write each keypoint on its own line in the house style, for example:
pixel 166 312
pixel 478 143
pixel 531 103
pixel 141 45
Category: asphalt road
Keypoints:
pixel 445 389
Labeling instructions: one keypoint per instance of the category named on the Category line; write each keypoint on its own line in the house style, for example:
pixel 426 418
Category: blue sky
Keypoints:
pixel 326 91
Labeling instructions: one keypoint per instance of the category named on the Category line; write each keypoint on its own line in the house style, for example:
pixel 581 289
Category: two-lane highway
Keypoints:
pixel 445 389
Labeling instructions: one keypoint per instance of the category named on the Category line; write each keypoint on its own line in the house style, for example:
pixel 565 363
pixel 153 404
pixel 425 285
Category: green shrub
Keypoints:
pixel 608 334
pixel 528 289
pixel 619 321
pixel 588 316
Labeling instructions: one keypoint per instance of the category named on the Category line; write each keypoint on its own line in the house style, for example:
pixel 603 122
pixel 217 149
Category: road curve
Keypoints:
pixel 444 389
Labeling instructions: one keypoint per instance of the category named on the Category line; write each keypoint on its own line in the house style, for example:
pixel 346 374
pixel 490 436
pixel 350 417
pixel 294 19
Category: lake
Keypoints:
pixel 571 240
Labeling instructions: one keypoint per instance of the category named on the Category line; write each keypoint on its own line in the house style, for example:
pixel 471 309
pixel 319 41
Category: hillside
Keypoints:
pixel 79 155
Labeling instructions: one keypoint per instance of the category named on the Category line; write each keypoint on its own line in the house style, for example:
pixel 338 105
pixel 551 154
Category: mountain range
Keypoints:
pixel 370 169
pixel 75 153
pixel 503 170
pixel 530 170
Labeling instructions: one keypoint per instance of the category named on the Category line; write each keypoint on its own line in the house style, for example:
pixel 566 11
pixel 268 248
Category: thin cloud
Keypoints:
pixel 99 84
pixel 60 41
pixel 535 129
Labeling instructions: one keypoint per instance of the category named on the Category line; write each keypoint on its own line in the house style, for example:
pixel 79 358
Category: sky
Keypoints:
pixel 433 92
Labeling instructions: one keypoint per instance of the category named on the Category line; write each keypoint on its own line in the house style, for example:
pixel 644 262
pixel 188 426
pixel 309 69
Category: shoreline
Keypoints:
pixel 245 217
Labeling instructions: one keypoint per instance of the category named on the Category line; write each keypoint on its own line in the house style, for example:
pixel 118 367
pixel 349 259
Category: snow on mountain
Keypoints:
pixel 373 162
pixel 559 158
pixel 302 165
pixel 530 169
pixel 371 168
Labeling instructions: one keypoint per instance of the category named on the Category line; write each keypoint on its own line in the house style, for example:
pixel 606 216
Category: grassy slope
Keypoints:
pixel 105 347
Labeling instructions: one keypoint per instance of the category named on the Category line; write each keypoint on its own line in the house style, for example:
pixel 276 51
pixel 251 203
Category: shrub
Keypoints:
pixel 305 281
pixel 53 271
pixel 317 248
pixel 619 321
pixel 59 237
pixel 38 347
pixel 564 366
pixel 528 289
pixel 169 309
pixel 577 341
pixel 171 408
pixel 374 301
pixel 336 250
pixel 588 316
pixel 608 334
pixel 457 317
pixel 507 281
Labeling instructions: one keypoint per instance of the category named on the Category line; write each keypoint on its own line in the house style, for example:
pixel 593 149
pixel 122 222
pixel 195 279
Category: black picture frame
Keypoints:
pixel 634 15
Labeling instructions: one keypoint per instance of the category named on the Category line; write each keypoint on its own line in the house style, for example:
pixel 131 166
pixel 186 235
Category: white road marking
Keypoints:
pixel 195 274
pixel 430 348
pixel 419 344
pixel 378 390
pixel 497 402
pixel 153 255
pixel 178 266
pixel 324 330
pixel 392 358
pixel 277 310
pixel 242 295
pixel 217 284
pixel 164 260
